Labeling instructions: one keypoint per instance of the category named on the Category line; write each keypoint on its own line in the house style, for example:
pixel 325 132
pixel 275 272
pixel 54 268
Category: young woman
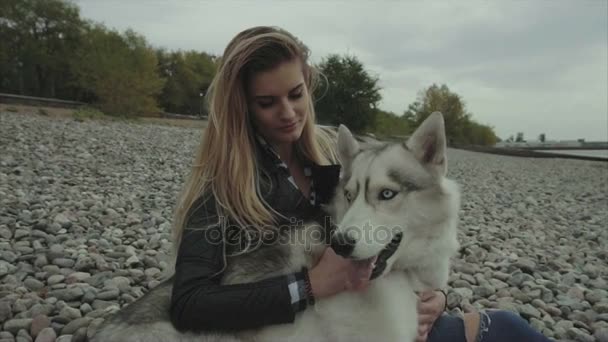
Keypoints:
pixel 261 163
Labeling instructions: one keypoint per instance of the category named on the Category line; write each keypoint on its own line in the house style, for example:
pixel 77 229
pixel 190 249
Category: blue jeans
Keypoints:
pixel 494 326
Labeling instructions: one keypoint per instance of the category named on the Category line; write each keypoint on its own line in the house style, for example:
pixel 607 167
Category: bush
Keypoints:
pixel 87 113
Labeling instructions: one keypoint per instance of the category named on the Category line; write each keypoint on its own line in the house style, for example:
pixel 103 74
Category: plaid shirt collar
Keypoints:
pixel 324 178
pixel 280 164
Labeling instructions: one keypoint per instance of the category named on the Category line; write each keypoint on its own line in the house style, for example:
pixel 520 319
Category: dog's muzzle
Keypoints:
pixel 385 254
pixel 343 244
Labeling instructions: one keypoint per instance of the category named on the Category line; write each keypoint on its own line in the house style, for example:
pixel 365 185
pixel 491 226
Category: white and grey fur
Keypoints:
pixel 424 211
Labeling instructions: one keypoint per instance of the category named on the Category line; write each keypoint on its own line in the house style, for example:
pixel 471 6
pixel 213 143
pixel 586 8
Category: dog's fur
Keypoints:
pixel 420 205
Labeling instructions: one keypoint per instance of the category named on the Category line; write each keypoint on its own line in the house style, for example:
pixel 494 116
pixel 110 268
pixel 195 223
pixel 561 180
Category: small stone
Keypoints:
pixel 591 270
pixel 20 233
pixel 80 335
pixel 6 311
pixel 84 264
pixel 152 272
pixel 102 304
pixel 5 233
pixel 132 261
pixel 596 295
pixel 122 283
pixel 6 336
pixel 41 260
pixel 484 291
pixel 454 299
pixel 464 293
pixel 579 335
pixel 108 294
pixel 77 277
pixel 55 279
pixel 537 324
pixel 528 311
pixel 85 308
pixel 67 295
pixel 64 338
pixel 601 308
pixel 576 292
pixel 14 325
pixel 33 284
pixel 61 219
pixel 520 295
pixel 561 328
pixel 516 279
pixel 39 323
pixel 76 324
pixel 64 262
pixel 46 335
pixel 23 336
pixel 70 313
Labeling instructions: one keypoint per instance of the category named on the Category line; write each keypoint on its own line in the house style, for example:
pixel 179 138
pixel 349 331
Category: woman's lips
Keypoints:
pixel 289 127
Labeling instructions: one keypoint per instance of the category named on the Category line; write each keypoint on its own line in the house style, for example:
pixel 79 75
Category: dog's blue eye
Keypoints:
pixel 387 194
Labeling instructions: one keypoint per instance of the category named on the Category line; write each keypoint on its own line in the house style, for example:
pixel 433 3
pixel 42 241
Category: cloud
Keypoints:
pixel 531 66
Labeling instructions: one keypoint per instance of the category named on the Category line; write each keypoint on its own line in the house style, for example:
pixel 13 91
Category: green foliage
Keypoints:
pixel 121 70
pixel 38 36
pixel 459 127
pixel 86 112
pixel 49 51
pixel 188 75
pixel 388 124
pixel 351 95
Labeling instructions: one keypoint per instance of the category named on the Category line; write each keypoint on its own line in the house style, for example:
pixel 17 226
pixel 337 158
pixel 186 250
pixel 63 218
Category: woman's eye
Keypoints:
pixel 387 194
pixel 265 104
pixel 296 96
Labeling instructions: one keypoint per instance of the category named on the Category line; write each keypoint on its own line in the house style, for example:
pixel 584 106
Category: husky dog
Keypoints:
pixel 395 210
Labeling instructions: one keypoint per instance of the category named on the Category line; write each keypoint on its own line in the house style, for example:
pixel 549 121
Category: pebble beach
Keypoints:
pixel 86 210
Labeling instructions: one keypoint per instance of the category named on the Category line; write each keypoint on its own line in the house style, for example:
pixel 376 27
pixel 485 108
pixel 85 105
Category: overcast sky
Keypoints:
pixel 532 66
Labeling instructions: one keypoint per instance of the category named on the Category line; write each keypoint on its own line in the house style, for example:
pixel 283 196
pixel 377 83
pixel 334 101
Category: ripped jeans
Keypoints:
pixel 494 326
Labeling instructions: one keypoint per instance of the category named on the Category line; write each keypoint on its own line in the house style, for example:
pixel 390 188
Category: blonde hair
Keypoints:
pixel 224 165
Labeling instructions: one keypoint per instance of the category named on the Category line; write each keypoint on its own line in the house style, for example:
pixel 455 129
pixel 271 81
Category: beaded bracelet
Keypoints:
pixel 445 306
pixel 309 295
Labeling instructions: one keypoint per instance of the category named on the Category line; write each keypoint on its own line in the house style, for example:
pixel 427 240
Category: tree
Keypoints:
pixel 388 123
pixel 120 70
pixel 520 137
pixel 541 137
pixel 38 37
pixel 351 95
pixel 188 74
pixel 459 127
pixel 440 98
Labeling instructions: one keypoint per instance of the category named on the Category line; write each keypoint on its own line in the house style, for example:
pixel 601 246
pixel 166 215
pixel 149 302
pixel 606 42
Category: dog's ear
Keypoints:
pixel 428 143
pixel 347 146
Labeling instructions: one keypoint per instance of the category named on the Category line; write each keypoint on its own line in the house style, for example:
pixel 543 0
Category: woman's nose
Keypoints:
pixel 287 109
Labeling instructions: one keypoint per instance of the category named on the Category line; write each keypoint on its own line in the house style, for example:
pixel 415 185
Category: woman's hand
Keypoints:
pixel 430 306
pixel 334 274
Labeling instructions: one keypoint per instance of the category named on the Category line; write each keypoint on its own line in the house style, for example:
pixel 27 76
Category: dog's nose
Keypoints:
pixel 342 244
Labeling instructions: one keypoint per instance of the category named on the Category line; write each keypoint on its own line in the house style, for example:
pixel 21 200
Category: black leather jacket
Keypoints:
pixel 199 302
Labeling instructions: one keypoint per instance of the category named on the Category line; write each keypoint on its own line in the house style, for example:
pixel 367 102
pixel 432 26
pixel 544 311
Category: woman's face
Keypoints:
pixel 278 101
